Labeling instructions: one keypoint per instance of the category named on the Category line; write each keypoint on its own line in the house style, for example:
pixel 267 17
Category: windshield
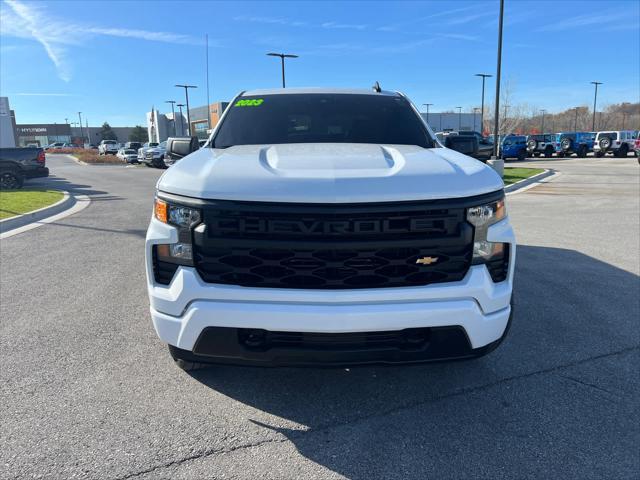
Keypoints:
pixel 130 152
pixel 321 118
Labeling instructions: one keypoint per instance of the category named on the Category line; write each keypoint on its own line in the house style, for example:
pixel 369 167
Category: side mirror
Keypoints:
pixel 180 147
pixel 466 144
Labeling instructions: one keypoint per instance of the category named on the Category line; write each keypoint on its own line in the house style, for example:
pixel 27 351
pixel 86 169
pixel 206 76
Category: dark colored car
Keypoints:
pixel 18 164
pixel 484 145
pixel 541 144
pixel 580 143
pixel 514 146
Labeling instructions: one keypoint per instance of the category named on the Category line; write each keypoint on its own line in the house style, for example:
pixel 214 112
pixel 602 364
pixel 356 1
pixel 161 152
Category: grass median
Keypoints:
pixel 513 175
pixel 18 202
pixel 90 156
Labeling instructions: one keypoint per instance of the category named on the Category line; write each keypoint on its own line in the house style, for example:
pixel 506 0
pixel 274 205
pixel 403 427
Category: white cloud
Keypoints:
pixel 584 21
pixel 347 26
pixel 32 21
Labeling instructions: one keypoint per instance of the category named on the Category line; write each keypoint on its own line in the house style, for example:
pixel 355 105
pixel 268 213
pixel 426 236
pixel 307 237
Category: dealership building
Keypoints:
pixel 42 134
pixel 440 122
pixel 203 119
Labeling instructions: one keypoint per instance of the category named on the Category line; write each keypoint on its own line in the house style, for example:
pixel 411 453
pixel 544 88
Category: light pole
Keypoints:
pixel 180 105
pixel 282 57
pixel 542 127
pixel 475 113
pixel 595 98
pixel 427 105
pixel 173 113
pixel 504 119
pixel 81 132
pixel 575 121
pixel 186 94
pixel 484 76
pixel 497 111
pixel 459 117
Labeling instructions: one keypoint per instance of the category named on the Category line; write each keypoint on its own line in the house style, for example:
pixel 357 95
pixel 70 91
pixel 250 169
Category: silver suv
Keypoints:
pixel 618 142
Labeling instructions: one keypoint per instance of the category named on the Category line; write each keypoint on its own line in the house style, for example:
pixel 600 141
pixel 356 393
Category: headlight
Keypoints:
pixel 184 219
pixel 482 217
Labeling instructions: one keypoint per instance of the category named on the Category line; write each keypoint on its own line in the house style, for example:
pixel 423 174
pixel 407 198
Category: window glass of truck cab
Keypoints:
pixel 322 118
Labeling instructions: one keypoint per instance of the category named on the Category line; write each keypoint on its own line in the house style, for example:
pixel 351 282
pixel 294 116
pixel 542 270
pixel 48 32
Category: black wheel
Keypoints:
pixel 522 155
pixel 10 180
pixel 182 363
pixel 565 144
pixel 622 151
pixel 548 153
pixel 605 143
pixel 536 154
pixel 582 151
pixel 600 154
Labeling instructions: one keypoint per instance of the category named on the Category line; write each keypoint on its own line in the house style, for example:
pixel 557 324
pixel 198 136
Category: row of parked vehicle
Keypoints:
pixel 619 143
pixel 564 144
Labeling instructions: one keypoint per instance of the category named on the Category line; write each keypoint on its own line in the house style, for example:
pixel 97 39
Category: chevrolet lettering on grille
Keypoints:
pixel 250 225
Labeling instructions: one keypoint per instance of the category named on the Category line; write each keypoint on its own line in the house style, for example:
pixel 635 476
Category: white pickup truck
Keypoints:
pixel 322 226
pixel 108 146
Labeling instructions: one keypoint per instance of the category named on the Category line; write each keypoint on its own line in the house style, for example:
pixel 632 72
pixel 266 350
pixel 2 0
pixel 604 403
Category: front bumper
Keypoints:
pixel 183 311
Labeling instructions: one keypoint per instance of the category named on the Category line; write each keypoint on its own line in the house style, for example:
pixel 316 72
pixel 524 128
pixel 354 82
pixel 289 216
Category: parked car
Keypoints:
pixel 128 155
pixel 18 164
pixel 144 148
pixel 618 142
pixel 485 145
pixel 514 146
pixel 294 237
pixel 57 146
pixel 541 144
pixel 568 143
pixel 133 145
pixel 154 157
pixel 108 146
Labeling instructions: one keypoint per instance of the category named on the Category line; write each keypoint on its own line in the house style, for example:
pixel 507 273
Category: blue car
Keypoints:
pixel 568 143
pixel 514 146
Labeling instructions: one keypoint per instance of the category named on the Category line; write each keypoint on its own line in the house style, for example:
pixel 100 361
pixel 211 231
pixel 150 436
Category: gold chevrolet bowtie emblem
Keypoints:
pixel 427 260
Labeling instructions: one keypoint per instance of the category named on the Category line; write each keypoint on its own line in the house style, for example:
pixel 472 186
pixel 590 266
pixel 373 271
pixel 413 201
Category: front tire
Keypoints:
pixel 582 151
pixel 522 155
pixel 622 151
pixel 10 180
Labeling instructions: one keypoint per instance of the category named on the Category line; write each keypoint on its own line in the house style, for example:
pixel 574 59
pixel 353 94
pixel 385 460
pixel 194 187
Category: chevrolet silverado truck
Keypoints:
pixel 18 164
pixel 322 226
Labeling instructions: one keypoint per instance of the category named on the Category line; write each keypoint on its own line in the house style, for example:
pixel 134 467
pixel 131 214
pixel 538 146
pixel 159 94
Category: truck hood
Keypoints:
pixel 328 173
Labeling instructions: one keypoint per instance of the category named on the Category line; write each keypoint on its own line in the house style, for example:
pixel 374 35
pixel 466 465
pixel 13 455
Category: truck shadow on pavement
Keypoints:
pixel 61 183
pixel 529 408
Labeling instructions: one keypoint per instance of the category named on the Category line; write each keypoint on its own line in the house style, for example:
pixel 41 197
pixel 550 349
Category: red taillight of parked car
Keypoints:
pixel 41 158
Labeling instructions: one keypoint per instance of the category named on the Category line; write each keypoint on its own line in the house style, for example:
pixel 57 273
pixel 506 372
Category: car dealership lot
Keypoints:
pixel 89 391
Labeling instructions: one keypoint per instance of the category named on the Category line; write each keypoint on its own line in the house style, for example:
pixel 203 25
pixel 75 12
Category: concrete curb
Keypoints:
pixel 530 182
pixel 65 207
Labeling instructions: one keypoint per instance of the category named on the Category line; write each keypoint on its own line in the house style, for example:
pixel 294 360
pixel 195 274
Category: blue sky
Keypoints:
pixel 114 60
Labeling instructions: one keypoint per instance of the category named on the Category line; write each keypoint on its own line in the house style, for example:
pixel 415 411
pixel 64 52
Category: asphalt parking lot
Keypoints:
pixel 88 391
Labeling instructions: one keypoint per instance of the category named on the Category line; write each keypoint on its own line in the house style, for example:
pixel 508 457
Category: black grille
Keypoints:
pixel 334 246
pixel 408 339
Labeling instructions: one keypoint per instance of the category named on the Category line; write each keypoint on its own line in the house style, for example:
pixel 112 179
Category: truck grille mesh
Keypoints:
pixel 333 247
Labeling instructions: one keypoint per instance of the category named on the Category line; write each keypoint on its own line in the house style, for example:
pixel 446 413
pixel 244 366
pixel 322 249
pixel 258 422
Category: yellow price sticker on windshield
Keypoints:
pixel 249 102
